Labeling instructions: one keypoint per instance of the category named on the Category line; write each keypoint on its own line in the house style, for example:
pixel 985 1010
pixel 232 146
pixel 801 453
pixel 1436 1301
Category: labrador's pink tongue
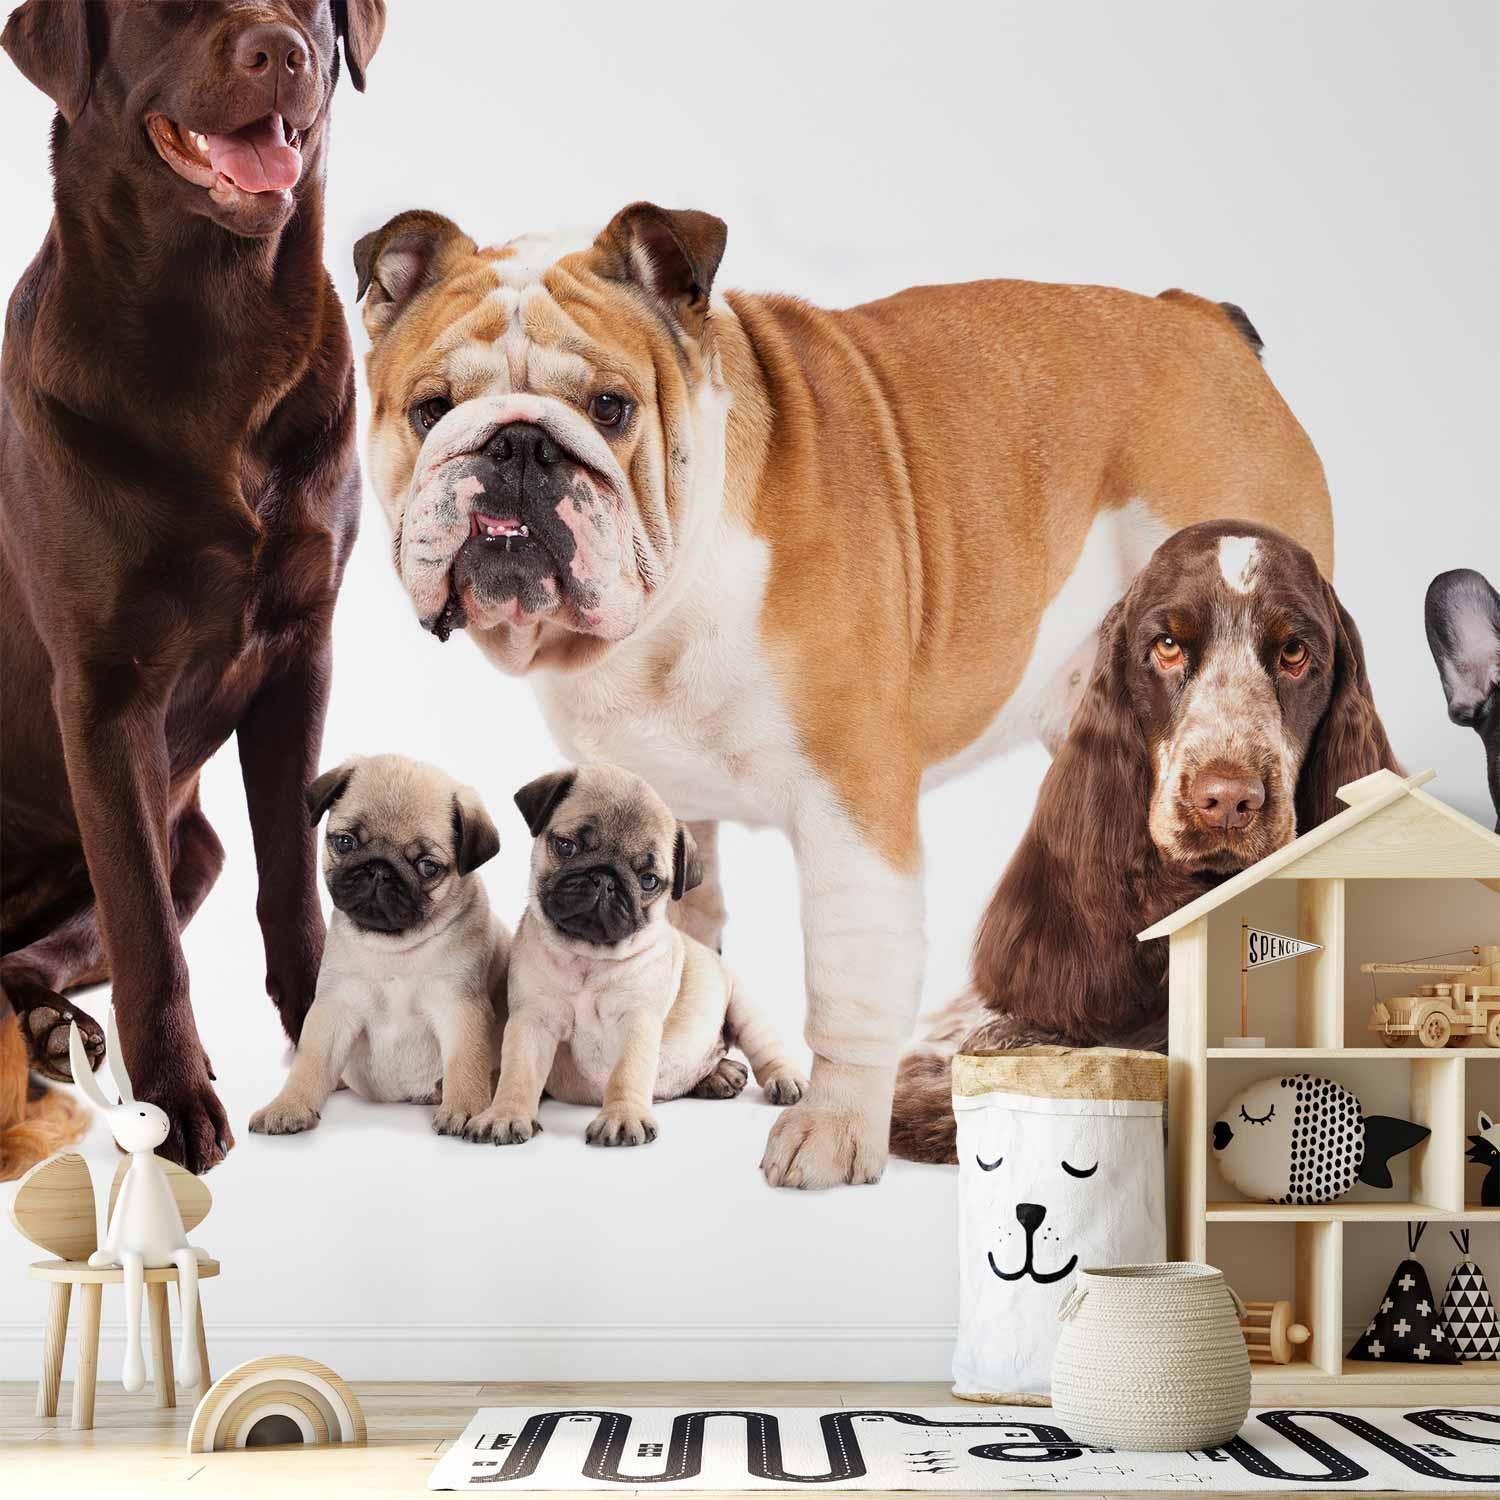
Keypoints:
pixel 256 159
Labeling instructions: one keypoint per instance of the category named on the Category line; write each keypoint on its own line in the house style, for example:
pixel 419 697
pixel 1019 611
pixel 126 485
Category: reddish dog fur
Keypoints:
pixel 1229 665
pixel 178 496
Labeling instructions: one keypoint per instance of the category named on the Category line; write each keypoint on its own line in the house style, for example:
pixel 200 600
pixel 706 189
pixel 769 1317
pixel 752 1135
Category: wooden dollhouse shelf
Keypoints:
pixel 1472 1372
pixel 1236 1212
pixel 1352 1054
pixel 1398 861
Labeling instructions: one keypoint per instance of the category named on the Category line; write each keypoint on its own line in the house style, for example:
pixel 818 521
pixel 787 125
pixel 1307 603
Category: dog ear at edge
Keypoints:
pixel 394 263
pixel 48 40
pixel 537 799
pixel 361 24
pixel 687 868
pixel 327 789
pixel 476 840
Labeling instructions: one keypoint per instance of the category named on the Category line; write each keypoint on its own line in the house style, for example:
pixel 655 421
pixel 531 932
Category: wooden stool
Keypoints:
pixel 54 1209
pixel 64 1275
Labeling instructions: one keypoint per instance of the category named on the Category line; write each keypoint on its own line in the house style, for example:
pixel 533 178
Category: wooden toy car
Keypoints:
pixel 1468 1005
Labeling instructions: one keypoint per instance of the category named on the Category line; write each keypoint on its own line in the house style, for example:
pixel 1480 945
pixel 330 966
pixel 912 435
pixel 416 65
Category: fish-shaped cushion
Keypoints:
pixel 1305 1140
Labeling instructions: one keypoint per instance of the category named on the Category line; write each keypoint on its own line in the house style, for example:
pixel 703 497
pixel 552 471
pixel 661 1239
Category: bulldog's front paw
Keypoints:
pixel 451 1119
pixel 621 1125
pixel 284 1117
pixel 785 1086
pixel 502 1127
pixel 839 1133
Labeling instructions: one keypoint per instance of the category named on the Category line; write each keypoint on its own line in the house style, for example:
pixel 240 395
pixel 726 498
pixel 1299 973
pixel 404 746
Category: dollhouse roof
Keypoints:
pixel 1390 829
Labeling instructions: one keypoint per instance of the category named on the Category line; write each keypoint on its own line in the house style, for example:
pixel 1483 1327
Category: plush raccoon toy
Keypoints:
pixel 1484 1148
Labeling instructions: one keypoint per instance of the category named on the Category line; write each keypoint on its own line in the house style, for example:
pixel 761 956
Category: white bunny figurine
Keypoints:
pixel 145 1229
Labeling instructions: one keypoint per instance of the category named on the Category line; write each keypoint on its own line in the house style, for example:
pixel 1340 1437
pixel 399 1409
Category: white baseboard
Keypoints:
pixel 585 1351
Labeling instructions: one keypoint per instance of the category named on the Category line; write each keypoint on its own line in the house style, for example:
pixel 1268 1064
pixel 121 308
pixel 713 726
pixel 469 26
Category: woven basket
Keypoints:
pixel 1151 1359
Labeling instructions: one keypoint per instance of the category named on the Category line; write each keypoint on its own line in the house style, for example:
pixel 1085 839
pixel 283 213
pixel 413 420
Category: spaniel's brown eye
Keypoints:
pixel 1168 652
pixel 1294 656
pixel 425 415
pixel 609 409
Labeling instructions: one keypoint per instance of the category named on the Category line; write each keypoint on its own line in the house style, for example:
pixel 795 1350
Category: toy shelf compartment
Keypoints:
pixel 1333 1271
pixel 1429 1180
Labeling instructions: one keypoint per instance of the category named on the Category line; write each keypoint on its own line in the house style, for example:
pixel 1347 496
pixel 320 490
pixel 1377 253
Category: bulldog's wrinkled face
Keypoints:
pixel 545 416
pixel 1231 644
pixel 400 838
pixel 215 109
pixel 608 856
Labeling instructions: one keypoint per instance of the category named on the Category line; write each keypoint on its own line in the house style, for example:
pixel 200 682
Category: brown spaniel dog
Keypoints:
pixel 1228 704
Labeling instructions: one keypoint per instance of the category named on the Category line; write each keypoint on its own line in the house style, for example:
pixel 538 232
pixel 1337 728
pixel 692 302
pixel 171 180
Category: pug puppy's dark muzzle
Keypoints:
pixel 373 895
pixel 596 905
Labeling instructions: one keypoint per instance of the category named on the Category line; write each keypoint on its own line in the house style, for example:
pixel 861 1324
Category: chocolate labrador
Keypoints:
pixel 178 496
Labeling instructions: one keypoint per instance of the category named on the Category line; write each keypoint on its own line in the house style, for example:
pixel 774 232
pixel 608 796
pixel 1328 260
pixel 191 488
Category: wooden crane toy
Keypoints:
pixel 1466 1005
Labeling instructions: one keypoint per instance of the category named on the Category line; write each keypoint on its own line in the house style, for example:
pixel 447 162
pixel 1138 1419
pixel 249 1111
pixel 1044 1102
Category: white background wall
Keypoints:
pixel 1329 167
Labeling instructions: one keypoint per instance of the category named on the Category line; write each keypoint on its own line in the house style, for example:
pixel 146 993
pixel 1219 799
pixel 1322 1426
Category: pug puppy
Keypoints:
pixel 611 1004
pixel 410 1003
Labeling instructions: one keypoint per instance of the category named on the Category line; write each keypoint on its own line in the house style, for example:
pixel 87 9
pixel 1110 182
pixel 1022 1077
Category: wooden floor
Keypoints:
pixel 136 1450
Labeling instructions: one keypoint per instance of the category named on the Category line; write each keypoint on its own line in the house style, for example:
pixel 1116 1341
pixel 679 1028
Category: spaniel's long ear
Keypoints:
pixel 1056 950
pixel 1350 741
pixel 48 40
pixel 1098 793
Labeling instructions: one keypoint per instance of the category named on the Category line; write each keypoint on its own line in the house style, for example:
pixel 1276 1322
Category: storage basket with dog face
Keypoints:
pixel 1060 1165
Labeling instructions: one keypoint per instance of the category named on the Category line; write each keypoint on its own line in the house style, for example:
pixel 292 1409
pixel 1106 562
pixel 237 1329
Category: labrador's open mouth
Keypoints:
pixel 264 156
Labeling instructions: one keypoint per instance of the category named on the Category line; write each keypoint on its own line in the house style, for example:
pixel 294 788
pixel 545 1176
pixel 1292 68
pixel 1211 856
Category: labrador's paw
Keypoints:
pixel 283 1117
pixel 621 1125
pixel 502 1127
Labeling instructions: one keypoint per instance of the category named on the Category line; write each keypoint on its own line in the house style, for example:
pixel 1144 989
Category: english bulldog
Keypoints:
pixel 794 565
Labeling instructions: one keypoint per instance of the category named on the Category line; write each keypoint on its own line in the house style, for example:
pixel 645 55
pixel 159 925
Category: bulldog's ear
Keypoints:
pixel 48 40
pixel 672 253
pixel 687 868
pixel 396 261
pixel 361 23
pixel 538 798
pixel 327 790
pixel 475 839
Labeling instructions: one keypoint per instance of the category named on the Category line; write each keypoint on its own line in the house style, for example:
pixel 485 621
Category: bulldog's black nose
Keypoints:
pixel 1031 1216
pixel 1222 1134
pixel 524 441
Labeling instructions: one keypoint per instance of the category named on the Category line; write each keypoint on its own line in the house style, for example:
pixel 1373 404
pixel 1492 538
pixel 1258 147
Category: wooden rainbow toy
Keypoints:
pixel 279 1400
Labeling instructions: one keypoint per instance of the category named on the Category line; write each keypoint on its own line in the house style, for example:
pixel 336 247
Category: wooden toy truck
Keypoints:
pixel 1467 1005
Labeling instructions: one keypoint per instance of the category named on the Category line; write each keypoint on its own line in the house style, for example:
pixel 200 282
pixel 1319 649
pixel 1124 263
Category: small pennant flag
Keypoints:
pixel 1264 948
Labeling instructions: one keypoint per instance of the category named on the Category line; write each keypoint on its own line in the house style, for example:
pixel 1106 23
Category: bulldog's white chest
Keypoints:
pixel 693 703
